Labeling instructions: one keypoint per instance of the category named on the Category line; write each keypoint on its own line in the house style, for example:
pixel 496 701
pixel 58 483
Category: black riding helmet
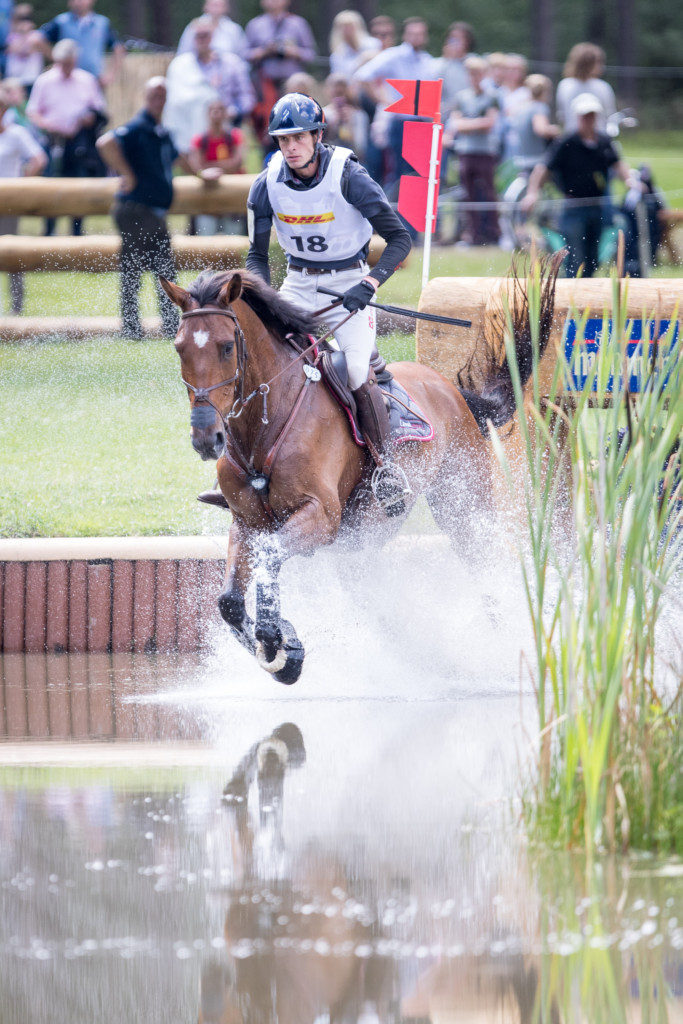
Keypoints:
pixel 294 113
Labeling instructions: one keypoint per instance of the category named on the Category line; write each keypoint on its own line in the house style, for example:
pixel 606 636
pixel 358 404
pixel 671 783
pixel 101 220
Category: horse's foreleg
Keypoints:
pixel 278 648
pixel 267 630
pixel 231 602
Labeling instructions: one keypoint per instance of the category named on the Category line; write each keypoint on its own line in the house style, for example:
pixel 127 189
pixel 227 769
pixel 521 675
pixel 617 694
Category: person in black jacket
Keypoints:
pixel 581 164
pixel 142 153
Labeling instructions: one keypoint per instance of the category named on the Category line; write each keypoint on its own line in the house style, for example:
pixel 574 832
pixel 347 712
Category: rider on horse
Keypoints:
pixel 324 207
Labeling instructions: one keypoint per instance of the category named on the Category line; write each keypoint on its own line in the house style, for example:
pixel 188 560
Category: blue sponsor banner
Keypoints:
pixel 581 348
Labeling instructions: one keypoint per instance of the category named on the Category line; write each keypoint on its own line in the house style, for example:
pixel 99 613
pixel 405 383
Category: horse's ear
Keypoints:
pixel 176 294
pixel 231 290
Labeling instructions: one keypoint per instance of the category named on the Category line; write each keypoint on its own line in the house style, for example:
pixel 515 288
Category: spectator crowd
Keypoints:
pixel 224 79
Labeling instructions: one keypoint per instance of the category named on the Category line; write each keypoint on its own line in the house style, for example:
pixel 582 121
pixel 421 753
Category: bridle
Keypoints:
pixel 202 394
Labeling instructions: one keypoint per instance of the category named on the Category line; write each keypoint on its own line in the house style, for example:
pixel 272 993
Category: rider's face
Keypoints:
pixel 297 149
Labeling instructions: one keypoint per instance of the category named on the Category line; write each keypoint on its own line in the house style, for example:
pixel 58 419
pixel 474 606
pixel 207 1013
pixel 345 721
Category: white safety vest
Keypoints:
pixel 317 224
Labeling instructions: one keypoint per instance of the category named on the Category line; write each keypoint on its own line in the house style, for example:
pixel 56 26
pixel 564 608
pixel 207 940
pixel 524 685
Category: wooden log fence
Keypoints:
pixel 83 197
pixel 100 253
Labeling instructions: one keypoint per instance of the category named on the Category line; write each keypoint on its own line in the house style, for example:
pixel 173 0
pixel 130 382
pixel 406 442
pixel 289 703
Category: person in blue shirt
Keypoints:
pixel 94 35
pixel 142 153
pixel 6 7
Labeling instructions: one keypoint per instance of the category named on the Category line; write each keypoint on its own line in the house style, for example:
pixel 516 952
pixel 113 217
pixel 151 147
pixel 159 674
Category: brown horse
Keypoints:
pixel 287 464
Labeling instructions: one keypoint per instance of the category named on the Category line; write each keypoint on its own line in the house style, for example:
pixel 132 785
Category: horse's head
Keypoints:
pixel 210 344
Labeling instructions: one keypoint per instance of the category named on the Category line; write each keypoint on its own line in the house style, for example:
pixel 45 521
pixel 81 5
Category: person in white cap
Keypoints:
pixel 581 163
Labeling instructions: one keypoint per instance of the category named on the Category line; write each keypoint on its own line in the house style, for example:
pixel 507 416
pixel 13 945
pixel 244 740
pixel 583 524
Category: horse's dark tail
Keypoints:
pixel 486 381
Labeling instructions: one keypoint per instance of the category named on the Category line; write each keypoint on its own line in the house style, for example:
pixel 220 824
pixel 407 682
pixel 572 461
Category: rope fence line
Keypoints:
pixel 507 205
pixel 617 70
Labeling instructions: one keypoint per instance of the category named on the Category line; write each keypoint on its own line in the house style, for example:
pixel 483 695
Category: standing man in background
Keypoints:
pixel 142 153
pixel 471 130
pixel 92 33
pixel 67 104
pixel 580 163
pixel 279 45
pixel 198 77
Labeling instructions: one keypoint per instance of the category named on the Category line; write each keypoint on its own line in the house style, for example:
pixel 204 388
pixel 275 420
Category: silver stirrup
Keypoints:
pixel 389 486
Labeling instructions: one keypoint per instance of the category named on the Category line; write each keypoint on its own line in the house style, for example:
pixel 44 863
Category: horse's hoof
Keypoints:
pixel 288 662
pixel 269 639
pixel 293 666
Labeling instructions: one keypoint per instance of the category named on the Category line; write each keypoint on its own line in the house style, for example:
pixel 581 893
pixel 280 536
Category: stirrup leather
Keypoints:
pixel 390 488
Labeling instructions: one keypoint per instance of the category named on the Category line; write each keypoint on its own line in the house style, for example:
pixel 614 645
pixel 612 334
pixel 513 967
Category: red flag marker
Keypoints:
pixel 412 200
pixel 421 148
pixel 418 99
pixel 417 146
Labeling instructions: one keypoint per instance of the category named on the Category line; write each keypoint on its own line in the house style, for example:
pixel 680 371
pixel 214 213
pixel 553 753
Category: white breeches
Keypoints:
pixel 356 338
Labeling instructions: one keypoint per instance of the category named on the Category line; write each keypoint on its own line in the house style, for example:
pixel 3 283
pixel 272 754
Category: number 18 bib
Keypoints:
pixel 317 225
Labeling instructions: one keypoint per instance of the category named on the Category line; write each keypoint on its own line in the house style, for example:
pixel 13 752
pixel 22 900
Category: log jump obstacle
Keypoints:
pixel 449 349
pixel 83 197
pixel 48 197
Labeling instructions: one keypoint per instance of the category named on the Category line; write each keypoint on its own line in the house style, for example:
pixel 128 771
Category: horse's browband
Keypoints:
pixel 205 310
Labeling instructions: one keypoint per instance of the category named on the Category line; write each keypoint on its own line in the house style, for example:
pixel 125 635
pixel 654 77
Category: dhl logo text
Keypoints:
pixel 316 218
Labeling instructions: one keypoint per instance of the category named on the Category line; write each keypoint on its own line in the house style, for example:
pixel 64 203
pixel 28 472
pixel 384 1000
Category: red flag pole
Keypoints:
pixel 433 184
pixel 421 99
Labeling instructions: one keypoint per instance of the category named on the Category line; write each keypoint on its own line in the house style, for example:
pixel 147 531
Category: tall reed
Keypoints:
pixel 610 755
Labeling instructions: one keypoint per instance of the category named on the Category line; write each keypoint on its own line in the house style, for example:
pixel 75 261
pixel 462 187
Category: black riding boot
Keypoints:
pixel 214 497
pixel 389 484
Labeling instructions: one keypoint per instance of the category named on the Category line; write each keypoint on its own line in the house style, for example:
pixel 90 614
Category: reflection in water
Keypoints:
pixel 90 697
pixel 349 864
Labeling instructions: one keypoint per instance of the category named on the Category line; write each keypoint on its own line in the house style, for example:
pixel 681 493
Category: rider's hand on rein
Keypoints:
pixel 358 296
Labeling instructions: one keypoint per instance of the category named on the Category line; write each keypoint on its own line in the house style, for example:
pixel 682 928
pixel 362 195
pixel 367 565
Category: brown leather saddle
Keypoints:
pixel 335 374
pixel 407 422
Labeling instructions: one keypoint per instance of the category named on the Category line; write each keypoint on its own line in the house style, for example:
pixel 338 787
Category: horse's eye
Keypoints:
pixel 227 349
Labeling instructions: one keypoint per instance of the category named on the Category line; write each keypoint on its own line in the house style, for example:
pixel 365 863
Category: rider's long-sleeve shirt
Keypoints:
pixel 358 189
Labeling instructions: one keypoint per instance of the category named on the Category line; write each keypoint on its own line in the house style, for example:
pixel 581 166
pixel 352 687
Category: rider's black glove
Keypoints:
pixel 358 296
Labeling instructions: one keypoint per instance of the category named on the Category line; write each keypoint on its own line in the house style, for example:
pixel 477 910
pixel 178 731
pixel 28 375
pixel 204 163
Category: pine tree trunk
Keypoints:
pixel 627 48
pixel 596 29
pixel 161 28
pixel 135 12
pixel 543 36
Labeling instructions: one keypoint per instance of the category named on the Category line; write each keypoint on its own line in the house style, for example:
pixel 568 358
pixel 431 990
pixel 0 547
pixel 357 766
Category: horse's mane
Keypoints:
pixel 278 315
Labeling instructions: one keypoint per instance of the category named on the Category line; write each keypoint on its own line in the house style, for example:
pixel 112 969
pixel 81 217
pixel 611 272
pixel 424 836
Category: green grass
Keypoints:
pixel 663 152
pixel 96 441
